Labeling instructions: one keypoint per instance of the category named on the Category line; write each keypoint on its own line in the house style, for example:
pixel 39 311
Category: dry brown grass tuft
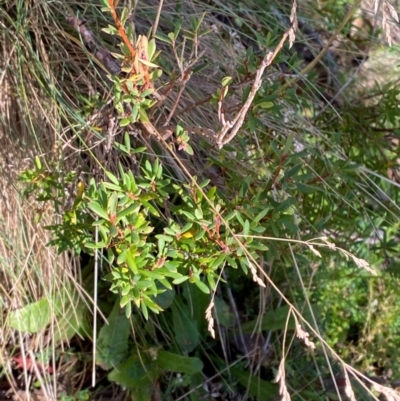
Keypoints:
pixel 29 122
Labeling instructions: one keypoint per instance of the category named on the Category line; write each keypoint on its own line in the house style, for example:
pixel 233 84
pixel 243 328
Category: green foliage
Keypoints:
pixel 32 318
pixel 193 245
pixel 65 306
pixel 82 395
pixel 112 341
pixel 305 172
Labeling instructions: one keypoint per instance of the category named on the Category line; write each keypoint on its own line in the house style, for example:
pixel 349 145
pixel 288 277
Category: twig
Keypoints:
pixel 178 97
pixel 120 28
pixel 96 272
pixel 186 74
pixel 222 137
pixel 105 58
pixel 157 19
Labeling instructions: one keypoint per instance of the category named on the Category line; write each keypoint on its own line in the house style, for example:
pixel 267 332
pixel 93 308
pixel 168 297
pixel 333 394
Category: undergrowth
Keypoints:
pixel 206 203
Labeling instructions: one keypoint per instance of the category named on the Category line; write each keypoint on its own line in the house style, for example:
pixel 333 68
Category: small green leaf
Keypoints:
pixel 113 231
pixel 128 309
pixel 112 203
pixel 230 215
pixel 95 207
pixel 130 260
pixel 148 64
pixel 38 163
pixel 246 227
pixel 138 150
pixel 187 214
pixel 202 287
pixel 132 209
pixel 151 49
pixel 189 150
pixel 177 27
pixel 164 237
pixel 122 257
pixel 199 235
pixel 288 144
pixel 218 261
pixel 199 214
pixel 171 36
pixel 127 141
pixel 145 311
pixel 92 245
pixel 180 280
pixel 226 81
pixel 111 30
pixel 110 256
pixel 124 122
pixel 144 118
pixel 163 38
pixel 265 105
pixel 261 215
pixel 112 178
pixel 160 244
pixel 113 187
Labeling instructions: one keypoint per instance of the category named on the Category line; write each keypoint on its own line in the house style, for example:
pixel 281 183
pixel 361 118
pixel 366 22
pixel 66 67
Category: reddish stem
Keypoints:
pixel 121 29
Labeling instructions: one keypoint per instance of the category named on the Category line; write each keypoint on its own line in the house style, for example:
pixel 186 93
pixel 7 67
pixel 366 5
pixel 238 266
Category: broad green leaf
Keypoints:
pixel 258 388
pixel 185 327
pixel 178 363
pixel 165 299
pixel 73 319
pixel 138 374
pixel 276 319
pixel 112 342
pixel 31 318
pixel 198 302
pixel 225 316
